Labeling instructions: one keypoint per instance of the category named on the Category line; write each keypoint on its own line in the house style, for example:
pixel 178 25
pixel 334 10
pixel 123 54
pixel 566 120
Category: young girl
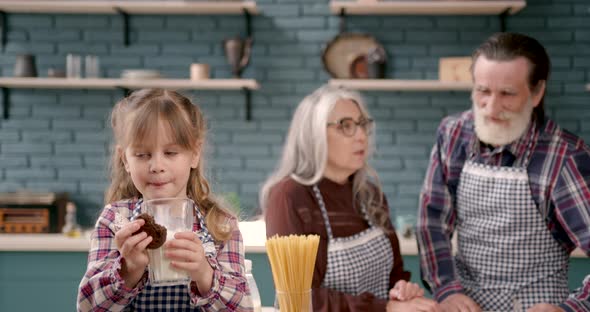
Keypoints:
pixel 159 137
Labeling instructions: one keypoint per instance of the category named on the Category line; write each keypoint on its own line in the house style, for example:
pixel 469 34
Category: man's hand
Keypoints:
pixel 418 304
pixel 544 307
pixel 403 291
pixel 459 303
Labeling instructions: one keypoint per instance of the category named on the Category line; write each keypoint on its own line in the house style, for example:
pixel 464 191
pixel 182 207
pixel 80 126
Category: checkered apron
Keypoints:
pixel 505 250
pixel 359 263
pixel 174 297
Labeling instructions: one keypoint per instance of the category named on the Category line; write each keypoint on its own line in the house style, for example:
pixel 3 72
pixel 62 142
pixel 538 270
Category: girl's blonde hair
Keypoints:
pixel 134 119
pixel 305 153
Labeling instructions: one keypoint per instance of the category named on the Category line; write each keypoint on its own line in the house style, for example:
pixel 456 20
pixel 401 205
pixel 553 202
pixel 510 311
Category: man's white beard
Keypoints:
pixel 497 135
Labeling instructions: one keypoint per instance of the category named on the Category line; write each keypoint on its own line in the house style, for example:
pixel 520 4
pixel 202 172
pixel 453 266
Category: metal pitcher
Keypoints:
pixel 237 53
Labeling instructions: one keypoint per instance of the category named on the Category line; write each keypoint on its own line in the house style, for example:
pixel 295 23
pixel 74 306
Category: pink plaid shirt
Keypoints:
pixel 102 288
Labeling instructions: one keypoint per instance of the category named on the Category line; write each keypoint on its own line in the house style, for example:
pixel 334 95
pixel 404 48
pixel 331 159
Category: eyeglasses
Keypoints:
pixel 348 126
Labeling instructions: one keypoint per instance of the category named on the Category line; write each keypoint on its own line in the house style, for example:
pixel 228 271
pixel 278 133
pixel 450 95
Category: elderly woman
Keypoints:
pixel 324 186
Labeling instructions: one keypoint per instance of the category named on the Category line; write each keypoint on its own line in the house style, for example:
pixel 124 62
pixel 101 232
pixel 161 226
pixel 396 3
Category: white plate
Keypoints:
pixel 140 74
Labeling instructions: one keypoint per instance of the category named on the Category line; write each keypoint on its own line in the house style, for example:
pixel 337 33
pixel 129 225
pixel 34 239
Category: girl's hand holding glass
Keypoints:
pixel 186 253
pixel 133 251
pixel 403 291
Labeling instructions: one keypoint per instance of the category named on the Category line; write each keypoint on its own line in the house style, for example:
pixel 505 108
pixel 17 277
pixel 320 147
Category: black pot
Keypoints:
pixel 25 66
pixel 376 70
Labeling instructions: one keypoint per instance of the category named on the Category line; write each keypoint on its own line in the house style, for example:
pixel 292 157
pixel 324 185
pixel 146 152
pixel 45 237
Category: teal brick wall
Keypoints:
pixel 58 140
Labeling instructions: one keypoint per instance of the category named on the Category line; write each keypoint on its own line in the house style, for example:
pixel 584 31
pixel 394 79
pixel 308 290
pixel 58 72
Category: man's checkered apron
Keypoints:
pixel 174 297
pixel 359 263
pixel 505 250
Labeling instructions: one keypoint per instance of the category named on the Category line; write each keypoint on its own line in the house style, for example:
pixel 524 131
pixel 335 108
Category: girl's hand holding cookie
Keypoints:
pixel 132 249
pixel 186 253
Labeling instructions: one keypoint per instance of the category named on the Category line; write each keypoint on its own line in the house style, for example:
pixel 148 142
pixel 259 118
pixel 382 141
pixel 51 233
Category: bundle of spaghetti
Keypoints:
pixel 292 260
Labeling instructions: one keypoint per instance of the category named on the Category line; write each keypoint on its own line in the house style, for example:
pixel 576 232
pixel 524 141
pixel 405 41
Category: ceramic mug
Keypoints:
pixel 199 71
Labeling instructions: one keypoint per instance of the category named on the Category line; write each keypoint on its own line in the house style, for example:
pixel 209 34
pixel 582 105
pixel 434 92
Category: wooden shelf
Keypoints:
pixel 130 7
pixel 410 7
pixel 57 83
pixel 401 85
pixel 107 83
pixel 244 85
pixel 206 84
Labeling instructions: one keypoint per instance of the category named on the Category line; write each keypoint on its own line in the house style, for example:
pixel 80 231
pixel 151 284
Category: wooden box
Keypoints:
pixel 454 69
pixel 32 212
pixel 22 220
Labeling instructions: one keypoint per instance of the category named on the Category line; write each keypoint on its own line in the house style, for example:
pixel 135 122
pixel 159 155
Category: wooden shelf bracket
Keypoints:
pixel 248 18
pixel 6 102
pixel 503 16
pixel 248 99
pixel 342 24
pixel 126 30
pixel 3 30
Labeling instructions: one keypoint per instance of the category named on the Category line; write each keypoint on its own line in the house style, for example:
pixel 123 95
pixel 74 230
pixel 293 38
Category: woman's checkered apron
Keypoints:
pixel 359 263
pixel 505 250
pixel 174 297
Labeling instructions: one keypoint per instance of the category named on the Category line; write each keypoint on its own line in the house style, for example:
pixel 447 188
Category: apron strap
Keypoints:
pixel 322 205
pixel 137 209
pixel 320 199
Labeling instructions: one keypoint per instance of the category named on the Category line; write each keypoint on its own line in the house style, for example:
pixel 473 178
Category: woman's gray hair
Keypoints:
pixel 305 152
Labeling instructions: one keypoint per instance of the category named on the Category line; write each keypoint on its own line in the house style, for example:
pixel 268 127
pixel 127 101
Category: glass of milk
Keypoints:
pixel 176 215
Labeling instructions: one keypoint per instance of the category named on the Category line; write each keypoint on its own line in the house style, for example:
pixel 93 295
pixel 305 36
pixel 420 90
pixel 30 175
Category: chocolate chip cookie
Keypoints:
pixel 156 231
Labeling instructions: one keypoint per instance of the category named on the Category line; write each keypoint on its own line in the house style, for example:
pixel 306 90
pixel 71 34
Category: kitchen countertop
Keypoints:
pixel 253 233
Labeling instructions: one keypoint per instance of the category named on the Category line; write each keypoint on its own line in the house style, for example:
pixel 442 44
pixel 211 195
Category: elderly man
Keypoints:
pixel 512 185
